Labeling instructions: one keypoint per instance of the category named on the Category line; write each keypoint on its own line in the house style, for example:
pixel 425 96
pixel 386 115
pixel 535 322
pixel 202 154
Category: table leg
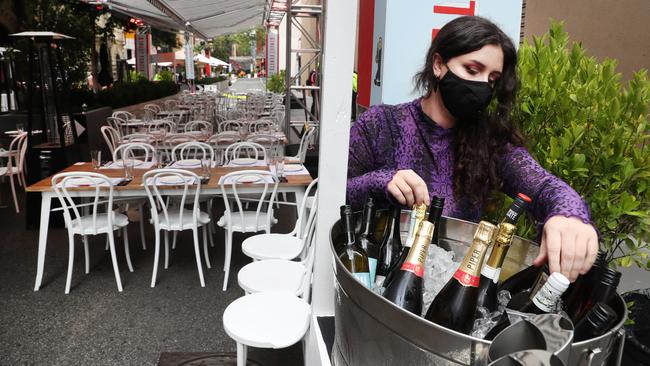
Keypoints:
pixel 46 200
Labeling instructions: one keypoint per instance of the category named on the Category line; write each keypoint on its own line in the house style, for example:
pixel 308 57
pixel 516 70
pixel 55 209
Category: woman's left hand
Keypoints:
pixel 569 244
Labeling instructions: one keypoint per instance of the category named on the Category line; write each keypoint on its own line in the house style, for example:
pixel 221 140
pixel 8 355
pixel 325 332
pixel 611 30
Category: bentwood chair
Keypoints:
pixel 306 140
pixel 235 217
pixel 284 246
pixel 244 149
pixel 181 213
pixel 15 164
pixel 282 275
pixel 102 219
pixel 111 137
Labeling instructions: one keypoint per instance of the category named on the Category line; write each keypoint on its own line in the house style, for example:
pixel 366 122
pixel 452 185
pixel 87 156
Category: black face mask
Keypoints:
pixel 464 99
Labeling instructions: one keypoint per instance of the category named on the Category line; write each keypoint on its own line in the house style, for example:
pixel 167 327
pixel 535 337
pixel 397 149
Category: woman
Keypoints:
pixel 449 144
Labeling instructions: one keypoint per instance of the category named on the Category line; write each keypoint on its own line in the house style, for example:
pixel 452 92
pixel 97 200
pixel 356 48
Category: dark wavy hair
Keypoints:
pixel 478 144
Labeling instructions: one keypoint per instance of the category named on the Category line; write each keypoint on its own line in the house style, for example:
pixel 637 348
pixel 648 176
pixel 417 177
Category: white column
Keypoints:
pixel 338 59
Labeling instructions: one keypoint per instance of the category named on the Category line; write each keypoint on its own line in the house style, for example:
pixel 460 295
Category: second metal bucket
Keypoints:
pixel 371 330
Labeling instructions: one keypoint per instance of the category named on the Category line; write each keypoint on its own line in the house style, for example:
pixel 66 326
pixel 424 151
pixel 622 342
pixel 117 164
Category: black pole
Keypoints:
pixel 55 97
pixel 66 94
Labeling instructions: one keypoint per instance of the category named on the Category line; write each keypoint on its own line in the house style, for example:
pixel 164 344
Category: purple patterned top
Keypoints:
pixel 388 138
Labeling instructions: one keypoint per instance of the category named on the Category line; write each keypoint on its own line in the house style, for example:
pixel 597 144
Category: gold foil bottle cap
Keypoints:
pixel 505 233
pixel 426 230
pixel 484 232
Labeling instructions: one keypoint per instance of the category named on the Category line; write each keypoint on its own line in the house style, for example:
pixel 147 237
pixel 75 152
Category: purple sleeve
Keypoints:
pixel 369 159
pixel 551 196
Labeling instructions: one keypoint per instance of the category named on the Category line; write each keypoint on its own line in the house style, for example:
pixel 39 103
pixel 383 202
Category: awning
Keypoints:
pixel 205 18
pixel 212 61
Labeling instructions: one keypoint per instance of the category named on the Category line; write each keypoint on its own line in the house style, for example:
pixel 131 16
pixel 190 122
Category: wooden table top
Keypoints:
pixel 45 185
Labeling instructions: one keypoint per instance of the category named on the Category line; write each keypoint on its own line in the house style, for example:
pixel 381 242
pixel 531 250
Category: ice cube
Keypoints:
pixel 503 298
pixel 440 266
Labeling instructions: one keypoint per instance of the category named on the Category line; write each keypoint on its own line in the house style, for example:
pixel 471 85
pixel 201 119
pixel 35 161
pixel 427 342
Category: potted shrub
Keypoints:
pixel 586 127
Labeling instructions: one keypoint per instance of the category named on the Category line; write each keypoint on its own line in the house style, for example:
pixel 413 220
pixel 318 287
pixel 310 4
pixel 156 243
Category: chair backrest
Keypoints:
pixel 159 124
pixel 263 207
pixel 269 142
pixel 309 250
pixel 111 136
pixel 305 141
pixel 133 150
pixel 17 150
pixel 154 180
pixel 245 149
pixel 170 104
pixel 118 124
pixel 62 182
pixel 138 137
pixel 230 125
pixel 192 150
pixel 123 115
pixel 198 126
pixel 299 229
pixel 260 126
pixel 153 107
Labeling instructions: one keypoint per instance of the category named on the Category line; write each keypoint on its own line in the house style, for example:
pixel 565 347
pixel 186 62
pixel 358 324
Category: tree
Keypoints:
pixel 222 45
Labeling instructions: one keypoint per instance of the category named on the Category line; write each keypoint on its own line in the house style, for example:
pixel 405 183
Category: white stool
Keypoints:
pixel 266 320
pixel 272 275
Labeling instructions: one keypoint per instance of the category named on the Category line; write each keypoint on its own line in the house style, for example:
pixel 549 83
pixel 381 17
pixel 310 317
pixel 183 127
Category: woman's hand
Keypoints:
pixel 408 188
pixel 569 244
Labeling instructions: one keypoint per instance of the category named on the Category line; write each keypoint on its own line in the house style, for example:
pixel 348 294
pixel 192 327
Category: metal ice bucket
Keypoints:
pixel 371 330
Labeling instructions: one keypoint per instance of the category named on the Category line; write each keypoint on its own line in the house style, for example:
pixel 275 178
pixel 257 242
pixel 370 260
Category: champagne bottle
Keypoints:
pixel 455 305
pixel 353 257
pixel 435 212
pixel 546 298
pixel 390 247
pixel 598 320
pixel 520 281
pixel 581 289
pixel 415 218
pixel 487 289
pixel 604 291
pixel 405 289
pixel 492 269
pixel 367 237
pixel 517 208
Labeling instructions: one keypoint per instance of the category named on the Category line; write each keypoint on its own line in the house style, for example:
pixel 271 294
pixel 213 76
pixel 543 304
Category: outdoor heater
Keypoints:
pixel 56 146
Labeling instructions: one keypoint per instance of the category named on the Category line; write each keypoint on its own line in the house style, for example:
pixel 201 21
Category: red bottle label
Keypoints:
pixel 416 268
pixel 466 279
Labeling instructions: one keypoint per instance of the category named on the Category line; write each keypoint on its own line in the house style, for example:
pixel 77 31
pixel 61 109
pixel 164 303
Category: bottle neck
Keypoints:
pixel 348 227
pixel 469 271
pixel 415 261
pixel 368 227
pixel 515 210
pixel 500 248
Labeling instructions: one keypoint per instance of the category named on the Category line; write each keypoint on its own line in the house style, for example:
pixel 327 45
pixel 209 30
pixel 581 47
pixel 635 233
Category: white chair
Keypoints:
pixel 282 246
pixel 241 220
pixel 101 220
pixel 202 126
pixel 141 151
pixel 192 150
pixel 281 275
pixel 138 137
pixel 245 149
pixel 263 139
pixel 118 124
pixel 170 104
pixel 111 137
pixel 124 115
pixel 230 125
pixel 266 320
pixel 305 141
pixel 260 126
pixel 175 216
pixel 220 142
pixel 15 164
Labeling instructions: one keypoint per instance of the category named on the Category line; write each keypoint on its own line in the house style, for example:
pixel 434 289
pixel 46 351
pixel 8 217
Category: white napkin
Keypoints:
pixel 116 165
pixel 265 179
pixel 302 171
pixel 190 180
pixel 257 163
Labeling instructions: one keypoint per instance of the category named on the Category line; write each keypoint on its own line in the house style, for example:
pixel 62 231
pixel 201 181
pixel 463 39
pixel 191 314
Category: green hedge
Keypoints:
pixel 208 81
pixel 122 94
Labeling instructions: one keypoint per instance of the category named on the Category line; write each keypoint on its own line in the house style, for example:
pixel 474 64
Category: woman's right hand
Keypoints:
pixel 408 188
